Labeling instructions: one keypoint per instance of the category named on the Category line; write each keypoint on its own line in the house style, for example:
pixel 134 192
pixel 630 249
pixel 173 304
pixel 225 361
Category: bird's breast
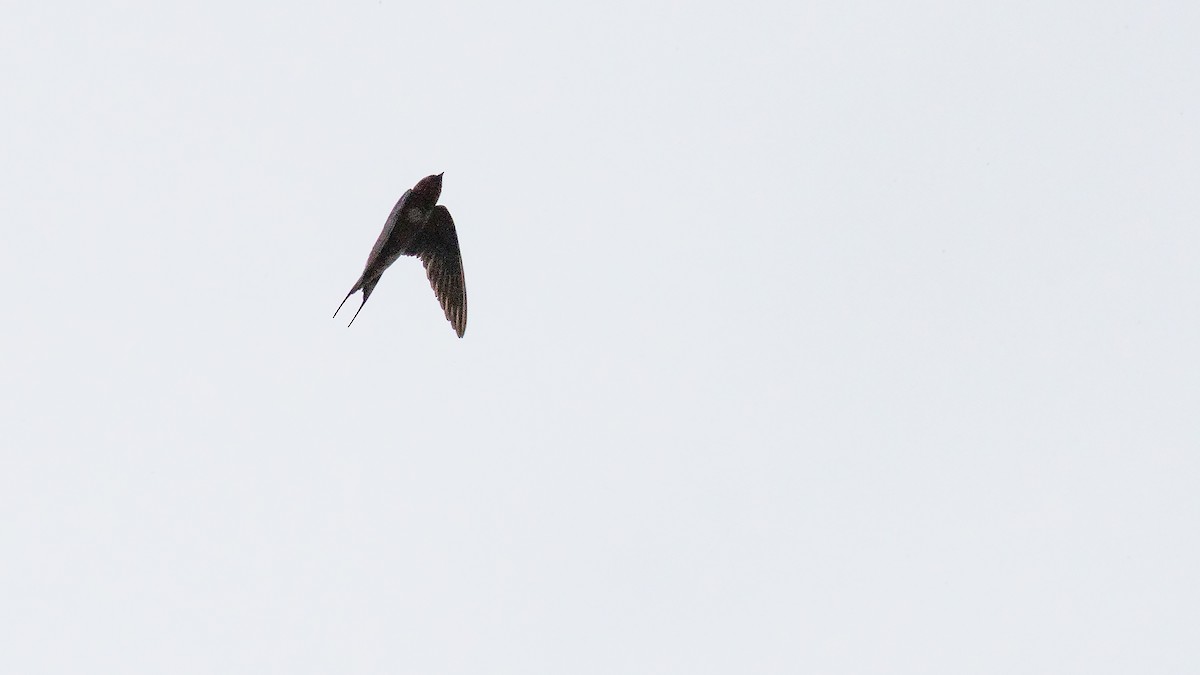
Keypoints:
pixel 415 215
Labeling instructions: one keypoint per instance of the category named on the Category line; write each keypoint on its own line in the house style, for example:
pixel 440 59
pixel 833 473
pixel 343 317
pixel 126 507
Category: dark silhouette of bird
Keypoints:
pixel 419 227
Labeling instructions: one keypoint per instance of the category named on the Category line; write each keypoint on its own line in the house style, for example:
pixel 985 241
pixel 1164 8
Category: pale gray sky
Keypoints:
pixel 852 337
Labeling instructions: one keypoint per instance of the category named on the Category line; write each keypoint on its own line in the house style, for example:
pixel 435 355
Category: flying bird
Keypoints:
pixel 419 227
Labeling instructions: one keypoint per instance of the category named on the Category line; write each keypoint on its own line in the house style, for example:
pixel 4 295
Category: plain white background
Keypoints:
pixel 854 337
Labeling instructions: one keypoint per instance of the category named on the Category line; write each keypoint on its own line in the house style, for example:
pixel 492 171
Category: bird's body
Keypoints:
pixel 417 226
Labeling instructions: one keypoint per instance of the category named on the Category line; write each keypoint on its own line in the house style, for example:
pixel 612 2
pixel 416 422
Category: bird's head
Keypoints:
pixel 430 188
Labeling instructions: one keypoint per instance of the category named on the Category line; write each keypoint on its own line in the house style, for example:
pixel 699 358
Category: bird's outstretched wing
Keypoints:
pixel 437 247
pixel 385 251
pixel 387 239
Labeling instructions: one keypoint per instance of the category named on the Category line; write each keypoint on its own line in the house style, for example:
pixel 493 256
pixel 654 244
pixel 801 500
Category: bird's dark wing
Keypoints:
pixel 383 253
pixel 437 247
pixel 389 227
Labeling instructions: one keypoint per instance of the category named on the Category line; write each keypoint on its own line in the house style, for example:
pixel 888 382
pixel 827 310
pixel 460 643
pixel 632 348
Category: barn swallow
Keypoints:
pixel 419 227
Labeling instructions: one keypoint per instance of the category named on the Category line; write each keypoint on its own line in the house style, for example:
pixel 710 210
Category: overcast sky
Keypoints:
pixel 804 337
